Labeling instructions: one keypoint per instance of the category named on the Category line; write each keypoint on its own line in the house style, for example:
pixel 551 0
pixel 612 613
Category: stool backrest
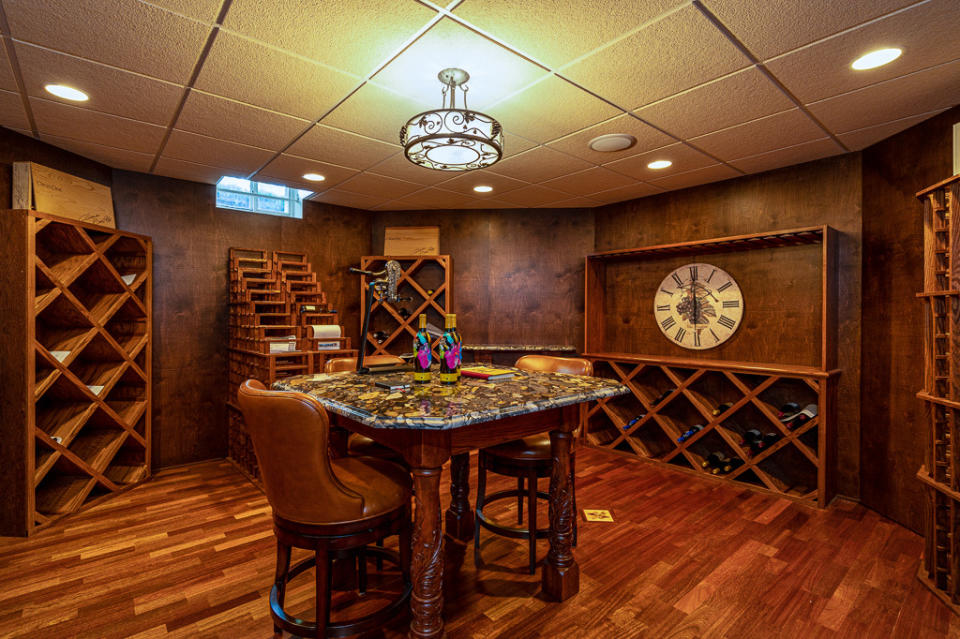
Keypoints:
pixel 289 433
pixel 548 364
pixel 338 364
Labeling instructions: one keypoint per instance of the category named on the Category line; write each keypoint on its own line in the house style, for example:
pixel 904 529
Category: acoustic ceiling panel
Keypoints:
pixel 350 149
pixel 233 121
pixel 67 121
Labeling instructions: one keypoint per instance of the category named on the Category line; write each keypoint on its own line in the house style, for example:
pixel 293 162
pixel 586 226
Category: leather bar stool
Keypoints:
pixel 332 507
pixel 357 444
pixel 527 459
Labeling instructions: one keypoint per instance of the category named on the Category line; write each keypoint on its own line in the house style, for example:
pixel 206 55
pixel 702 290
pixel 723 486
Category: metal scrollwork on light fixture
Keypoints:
pixel 452 139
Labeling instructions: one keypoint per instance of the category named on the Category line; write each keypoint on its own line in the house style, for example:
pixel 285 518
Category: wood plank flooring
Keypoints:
pixel 190 554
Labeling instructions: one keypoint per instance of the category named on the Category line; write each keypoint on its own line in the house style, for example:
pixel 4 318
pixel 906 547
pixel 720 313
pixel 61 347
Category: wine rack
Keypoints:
pixel 669 396
pixel 428 280
pixel 76 365
pixel 940 566
pixel 275 300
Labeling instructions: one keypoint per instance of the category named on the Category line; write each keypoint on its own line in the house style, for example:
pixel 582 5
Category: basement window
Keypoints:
pixel 260 197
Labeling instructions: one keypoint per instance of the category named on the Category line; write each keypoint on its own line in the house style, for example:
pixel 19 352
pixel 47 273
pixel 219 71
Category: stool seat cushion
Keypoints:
pixel 532 448
pixel 384 485
pixel 362 446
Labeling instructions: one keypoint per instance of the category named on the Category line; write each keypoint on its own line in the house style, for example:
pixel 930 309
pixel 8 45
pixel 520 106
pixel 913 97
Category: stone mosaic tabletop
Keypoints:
pixel 436 406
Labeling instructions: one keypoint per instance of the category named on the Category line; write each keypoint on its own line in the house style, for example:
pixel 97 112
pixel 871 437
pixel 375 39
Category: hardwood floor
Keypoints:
pixel 190 554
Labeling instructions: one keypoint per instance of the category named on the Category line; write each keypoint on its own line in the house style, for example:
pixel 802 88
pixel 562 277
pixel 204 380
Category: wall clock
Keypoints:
pixel 698 306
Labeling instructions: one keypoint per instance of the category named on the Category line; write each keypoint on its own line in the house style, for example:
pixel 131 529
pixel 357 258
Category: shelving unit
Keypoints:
pixel 940 567
pixel 428 279
pixel 674 390
pixel 76 365
pixel 275 300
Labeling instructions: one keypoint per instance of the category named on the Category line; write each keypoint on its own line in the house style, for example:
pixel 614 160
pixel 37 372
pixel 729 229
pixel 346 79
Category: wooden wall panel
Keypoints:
pixel 823 192
pixel 518 275
pixel 893 433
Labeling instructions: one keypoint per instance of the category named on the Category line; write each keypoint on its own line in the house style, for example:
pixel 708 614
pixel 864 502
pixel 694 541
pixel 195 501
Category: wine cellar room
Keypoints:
pixel 396 318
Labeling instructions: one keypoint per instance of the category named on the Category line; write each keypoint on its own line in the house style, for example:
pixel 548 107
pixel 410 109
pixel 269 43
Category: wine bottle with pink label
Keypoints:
pixel 423 355
pixel 450 351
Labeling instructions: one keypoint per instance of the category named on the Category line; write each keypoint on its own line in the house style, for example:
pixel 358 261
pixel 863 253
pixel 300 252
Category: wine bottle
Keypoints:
pixel 750 437
pixel 696 428
pixel 423 354
pixel 450 351
pixel 728 466
pixel 633 421
pixel 714 459
pixel 722 408
pixel 663 396
pixel 809 412
pixel 790 408
pixel 769 440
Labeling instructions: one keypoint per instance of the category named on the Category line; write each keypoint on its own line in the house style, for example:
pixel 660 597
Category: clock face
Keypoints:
pixel 698 306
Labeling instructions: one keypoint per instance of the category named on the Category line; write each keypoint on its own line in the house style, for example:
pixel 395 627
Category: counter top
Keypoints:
pixel 505 348
pixel 440 407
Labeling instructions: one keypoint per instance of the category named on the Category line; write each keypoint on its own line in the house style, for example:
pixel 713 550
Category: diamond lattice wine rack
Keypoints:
pixel 75 363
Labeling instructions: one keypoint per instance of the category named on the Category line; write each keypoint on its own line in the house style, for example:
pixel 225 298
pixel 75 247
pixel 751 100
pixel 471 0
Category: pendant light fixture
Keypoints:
pixel 452 139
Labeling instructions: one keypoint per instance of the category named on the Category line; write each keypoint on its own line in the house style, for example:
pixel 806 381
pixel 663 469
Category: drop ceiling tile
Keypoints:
pixel 12 115
pixel 290 170
pixel 538 165
pixel 465 182
pixel 54 118
pixel 624 193
pixel 353 36
pixel 577 144
pixel 573 203
pixel 433 198
pixel 256 74
pixel 534 195
pixel 124 33
pixel 233 121
pixel 585 25
pixel 117 158
pixel 927 33
pixel 683 157
pixel 513 144
pixel 203 10
pixel 375 112
pixel 675 53
pixel 346 149
pixel 739 97
pixel 191 171
pixel 111 90
pixel 212 152
pixel 590 181
pixel 759 136
pixel 696 177
pixel 346 198
pixel 550 109
pixel 486 203
pixel 398 166
pixel 494 71
pixel 862 138
pixel 783 25
pixel 921 92
pixel 798 154
pixel 7 80
pixel 378 186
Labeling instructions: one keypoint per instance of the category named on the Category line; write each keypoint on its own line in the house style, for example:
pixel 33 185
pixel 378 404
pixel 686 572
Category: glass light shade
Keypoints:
pixel 452 140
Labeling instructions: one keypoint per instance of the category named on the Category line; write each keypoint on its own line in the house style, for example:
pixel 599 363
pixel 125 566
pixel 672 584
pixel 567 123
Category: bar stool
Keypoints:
pixel 527 459
pixel 357 444
pixel 332 507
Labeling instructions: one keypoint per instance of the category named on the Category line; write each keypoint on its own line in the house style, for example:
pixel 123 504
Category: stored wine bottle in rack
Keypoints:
pixel 798 419
pixel 790 408
pixel 721 409
pixel 713 460
pixel 696 428
pixel 662 396
pixel 728 466
pixel 751 437
pixel 423 353
pixel 633 421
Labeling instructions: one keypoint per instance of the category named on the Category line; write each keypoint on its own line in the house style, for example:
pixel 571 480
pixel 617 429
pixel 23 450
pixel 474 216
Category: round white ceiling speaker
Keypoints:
pixel 612 142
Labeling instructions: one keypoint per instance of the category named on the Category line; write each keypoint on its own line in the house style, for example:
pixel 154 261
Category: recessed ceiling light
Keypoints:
pixel 482 188
pixel 67 93
pixel 612 142
pixel 659 164
pixel 313 177
pixel 876 59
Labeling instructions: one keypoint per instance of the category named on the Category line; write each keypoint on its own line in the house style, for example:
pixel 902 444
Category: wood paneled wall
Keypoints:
pixel 822 192
pixel 518 275
pixel 191 237
pixel 893 434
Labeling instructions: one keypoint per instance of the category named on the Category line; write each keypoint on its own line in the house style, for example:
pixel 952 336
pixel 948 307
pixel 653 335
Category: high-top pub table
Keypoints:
pixel 432 423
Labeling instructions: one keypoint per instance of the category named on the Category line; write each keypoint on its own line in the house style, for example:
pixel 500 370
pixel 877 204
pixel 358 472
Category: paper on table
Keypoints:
pixel 326 331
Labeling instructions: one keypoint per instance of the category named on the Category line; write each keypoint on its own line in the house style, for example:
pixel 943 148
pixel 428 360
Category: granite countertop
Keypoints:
pixel 520 347
pixel 436 406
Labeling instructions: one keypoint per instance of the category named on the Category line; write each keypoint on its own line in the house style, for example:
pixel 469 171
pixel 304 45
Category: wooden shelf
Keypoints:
pixel 85 282
pixel 773 239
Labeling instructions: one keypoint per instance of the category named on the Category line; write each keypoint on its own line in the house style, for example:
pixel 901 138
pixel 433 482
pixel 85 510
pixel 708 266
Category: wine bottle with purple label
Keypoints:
pixel 450 351
pixel 423 354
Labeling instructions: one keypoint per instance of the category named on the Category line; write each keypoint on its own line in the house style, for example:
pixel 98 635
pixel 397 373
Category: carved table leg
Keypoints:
pixel 426 600
pixel 459 518
pixel 561 574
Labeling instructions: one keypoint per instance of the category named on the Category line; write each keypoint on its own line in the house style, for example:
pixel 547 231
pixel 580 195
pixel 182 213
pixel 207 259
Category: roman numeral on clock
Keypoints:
pixel 710 277
pixel 663 307
pixel 663 290
pixel 716 338
pixel 696 338
pixel 680 333
pixel 676 278
pixel 693 273
pixel 724 287
pixel 667 323
pixel 726 321
pixel 731 303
